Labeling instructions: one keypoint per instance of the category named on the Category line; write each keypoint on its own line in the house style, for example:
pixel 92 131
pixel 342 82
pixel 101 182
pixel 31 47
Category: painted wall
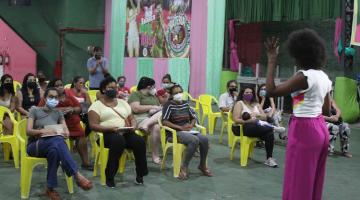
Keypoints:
pixel 22 56
pixel 200 74
pixel 225 77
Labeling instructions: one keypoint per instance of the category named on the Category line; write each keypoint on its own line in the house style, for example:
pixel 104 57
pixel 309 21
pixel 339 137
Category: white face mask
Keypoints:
pixel 153 91
pixel 178 97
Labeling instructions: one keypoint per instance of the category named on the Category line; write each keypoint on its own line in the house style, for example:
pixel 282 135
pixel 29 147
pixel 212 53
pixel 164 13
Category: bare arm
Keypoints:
pixel 19 107
pixel 94 121
pixel 237 114
pixel 137 108
pixel 273 107
pixel 327 105
pixel 172 125
pixel 13 103
pixel 225 109
pixel 262 114
pixel 295 83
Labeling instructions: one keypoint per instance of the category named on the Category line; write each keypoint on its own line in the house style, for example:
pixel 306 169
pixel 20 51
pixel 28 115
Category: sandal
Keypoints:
pixel 52 194
pixel 183 174
pixel 83 183
pixel 206 171
pixel 157 160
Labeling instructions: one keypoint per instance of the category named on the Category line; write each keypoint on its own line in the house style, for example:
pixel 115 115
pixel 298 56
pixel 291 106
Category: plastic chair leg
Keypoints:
pixel 25 180
pixel 15 151
pixel 163 163
pixel 6 150
pixel 122 162
pixel 245 146
pixel 70 184
pixel 104 158
pixel 176 161
pixel 232 150
pixel 96 163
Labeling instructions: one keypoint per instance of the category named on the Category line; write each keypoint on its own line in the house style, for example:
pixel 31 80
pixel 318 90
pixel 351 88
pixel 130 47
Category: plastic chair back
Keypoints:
pixel 92 95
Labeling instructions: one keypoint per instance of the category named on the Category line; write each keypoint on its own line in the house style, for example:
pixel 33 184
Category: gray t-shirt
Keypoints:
pixel 98 76
pixel 43 118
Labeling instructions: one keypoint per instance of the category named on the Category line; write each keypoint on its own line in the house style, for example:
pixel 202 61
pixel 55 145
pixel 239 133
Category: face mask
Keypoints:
pixel 262 93
pixel 41 80
pixel 31 85
pixel 165 85
pixel 121 84
pixel 178 97
pixel 152 91
pixel 232 90
pixel 248 97
pixel 52 102
pixel 8 86
pixel 111 93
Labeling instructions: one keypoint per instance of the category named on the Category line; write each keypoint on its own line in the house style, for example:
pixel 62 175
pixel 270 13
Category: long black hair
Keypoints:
pixel 75 80
pixel 24 86
pixel 2 88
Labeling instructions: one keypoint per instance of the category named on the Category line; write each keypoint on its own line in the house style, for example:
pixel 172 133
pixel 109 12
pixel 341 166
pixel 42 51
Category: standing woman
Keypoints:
pixel 308 136
pixel 78 91
pixel 8 100
pixel 29 95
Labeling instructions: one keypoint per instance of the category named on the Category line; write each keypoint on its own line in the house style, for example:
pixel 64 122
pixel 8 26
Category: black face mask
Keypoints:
pixel 111 93
pixel 41 80
pixel 31 85
pixel 8 86
pixel 232 90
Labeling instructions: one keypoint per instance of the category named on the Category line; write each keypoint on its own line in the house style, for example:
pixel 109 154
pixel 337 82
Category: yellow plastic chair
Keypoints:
pixel 10 139
pixel 92 95
pixel 247 145
pixel 67 86
pixel 187 96
pixel 207 112
pixel 28 163
pixel 17 85
pixel 177 148
pixel 87 84
pixel 225 123
pixel 133 89
pixel 102 158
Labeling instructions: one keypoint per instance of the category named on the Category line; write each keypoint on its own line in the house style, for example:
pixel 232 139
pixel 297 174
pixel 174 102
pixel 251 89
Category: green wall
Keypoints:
pixel 39 23
pixel 225 77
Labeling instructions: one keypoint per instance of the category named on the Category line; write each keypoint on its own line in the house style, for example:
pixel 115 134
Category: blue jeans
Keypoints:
pixel 55 150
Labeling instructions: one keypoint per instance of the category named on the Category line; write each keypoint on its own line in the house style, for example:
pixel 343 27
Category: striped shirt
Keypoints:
pixel 178 113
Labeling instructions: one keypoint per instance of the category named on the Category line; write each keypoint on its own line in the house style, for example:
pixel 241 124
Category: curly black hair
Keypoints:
pixel 106 82
pixel 308 49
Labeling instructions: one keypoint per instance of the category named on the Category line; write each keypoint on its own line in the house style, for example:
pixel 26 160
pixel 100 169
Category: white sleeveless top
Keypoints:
pixel 309 102
pixel 247 109
pixel 6 103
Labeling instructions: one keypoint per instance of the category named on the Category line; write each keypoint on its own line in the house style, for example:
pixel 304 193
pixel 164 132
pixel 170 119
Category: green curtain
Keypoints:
pixel 145 67
pixel 179 69
pixel 215 41
pixel 117 37
pixel 286 10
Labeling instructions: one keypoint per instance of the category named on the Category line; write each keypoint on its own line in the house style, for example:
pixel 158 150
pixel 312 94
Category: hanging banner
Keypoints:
pixel 355 35
pixel 158 28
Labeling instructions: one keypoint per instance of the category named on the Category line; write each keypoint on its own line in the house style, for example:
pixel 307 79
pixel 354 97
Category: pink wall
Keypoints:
pixel 22 56
pixel 107 28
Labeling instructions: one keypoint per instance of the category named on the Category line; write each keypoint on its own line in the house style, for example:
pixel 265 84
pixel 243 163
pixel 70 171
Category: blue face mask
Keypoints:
pixel 262 93
pixel 52 102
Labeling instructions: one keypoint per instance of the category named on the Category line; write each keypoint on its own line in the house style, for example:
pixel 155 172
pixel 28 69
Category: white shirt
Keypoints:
pixel 309 102
pixel 226 100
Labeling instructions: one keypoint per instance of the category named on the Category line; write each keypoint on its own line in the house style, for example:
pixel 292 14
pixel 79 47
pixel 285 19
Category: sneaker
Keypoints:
pixel 271 162
pixel 279 129
pixel 139 181
pixel 110 183
pixel 52 194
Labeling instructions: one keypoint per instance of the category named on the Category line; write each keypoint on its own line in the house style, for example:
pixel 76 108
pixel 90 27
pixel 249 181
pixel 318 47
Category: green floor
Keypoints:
pixel 255 182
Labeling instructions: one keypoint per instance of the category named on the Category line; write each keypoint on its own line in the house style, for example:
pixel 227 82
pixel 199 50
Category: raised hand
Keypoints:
pixel 272 47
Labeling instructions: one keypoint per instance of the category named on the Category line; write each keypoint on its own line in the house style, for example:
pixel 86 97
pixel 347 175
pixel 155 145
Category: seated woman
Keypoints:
pixel 123 91
pixel 78 91
pixel 268 106
pixel 246 102
pixel 144 104
pixel 71 109
pixel 337 127
pixel 113 117
pixel 178 115
pixel 29 95
pixel 42 81
pixel 48 143
pixel 8 100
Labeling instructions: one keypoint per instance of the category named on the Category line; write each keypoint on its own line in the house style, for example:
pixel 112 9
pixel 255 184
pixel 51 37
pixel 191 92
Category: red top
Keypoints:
pixel 80 99
pixel 72 120
pixel 124 90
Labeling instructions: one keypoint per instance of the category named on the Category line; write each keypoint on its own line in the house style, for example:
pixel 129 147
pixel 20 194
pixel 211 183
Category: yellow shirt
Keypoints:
pixel 108 117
